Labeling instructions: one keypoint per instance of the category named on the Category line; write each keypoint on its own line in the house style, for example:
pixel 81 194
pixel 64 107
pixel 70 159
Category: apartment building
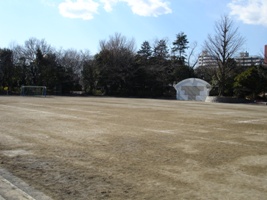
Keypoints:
pixel 244 59
pixel 207 60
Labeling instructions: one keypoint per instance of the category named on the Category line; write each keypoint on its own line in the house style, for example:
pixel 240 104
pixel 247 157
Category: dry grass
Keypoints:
pixel 116 148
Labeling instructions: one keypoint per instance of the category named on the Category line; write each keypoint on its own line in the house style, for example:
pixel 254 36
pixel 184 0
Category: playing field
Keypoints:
pixel 118 148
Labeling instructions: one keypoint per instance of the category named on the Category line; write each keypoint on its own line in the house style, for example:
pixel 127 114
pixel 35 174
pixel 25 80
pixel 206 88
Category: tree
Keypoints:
pixel 73 59
pixel 6 69
pixel 115 64
pixel 191 55
pixel 48 71
pixel 28 51
pixel 27 58
pixel 223 45
pixel 182 72
pixel 90 76
pixel 161 51
pixel 161 70
pixel 145 52
pixel 179 47
pixel 73 62
pixel 249 83
pixel 205 72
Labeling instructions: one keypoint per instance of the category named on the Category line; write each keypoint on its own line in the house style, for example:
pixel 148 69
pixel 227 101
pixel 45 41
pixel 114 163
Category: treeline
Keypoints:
pixel 37 63
pixel 119 69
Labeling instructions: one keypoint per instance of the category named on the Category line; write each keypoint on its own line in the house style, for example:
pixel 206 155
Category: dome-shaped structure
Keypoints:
pixel 193 89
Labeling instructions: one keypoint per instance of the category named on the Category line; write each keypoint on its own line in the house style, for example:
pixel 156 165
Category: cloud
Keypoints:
pixel 149 8
pixel 85 9
pixel 108 4
pixel 142 7
pixel 250 11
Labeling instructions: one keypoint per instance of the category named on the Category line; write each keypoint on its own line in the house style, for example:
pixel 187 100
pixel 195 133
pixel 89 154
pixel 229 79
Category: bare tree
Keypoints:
pixel 192 49
pixel 116 43
pixel 29 50
pixel 223 45
pixel 25 57
pixel 70 59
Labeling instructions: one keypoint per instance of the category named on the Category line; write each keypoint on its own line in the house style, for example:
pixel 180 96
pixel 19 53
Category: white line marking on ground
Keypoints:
pixel 70 109
pixel 46 112
pixel 250 121
pixel 197 137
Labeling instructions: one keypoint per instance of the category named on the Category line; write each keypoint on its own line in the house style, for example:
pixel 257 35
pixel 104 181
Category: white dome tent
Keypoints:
pixel 192 89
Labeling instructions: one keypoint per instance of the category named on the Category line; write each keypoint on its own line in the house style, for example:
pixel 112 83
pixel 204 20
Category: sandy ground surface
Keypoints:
pixel 116 148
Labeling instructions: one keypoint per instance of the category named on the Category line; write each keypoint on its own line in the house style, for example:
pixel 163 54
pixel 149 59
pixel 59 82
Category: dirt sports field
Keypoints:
pixel 115 148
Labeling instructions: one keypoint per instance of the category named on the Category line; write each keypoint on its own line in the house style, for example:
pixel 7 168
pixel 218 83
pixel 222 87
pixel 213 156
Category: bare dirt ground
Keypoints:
pixel 116 148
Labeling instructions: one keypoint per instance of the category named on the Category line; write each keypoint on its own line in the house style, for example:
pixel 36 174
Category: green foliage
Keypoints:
pixel 205 73
pixel 182 72
pixel 90 77
pixel 249 83
pixel 7 69
pixel 179 47
pixel 145 52
pixel 116 70
pixel 115 65
pixel 161 51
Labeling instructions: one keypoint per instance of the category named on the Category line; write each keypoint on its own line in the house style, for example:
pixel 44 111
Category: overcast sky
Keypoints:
pixel 81 24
